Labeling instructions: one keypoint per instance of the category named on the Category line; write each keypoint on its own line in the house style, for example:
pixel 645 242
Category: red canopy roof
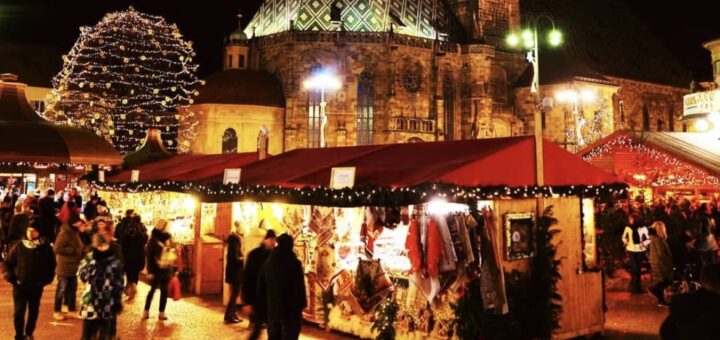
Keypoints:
pixel 485 162
pixel 186 167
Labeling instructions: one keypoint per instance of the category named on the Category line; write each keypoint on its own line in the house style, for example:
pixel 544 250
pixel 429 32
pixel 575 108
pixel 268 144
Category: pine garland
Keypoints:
pixel 385 317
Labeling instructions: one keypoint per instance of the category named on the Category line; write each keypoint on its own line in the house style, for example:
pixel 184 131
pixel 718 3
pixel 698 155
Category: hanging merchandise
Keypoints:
pixel 414 247
pixel 449 257
pixel 371 284
pixel 492 278
pixel 434 247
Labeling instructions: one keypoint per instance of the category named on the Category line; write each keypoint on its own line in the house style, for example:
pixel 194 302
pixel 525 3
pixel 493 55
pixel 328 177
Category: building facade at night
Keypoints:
pixel 429 70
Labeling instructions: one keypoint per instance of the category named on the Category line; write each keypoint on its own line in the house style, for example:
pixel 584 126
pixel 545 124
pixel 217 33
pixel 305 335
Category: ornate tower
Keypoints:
pixel 488 20
pixel 236 49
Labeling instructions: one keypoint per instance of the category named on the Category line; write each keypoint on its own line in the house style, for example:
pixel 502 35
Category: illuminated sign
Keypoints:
pixel 701 102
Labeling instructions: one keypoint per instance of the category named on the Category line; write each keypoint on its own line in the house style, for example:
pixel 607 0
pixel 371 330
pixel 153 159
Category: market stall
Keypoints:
pixel 35 153
pixel 192 223
pixel 423 228
pixel 659 164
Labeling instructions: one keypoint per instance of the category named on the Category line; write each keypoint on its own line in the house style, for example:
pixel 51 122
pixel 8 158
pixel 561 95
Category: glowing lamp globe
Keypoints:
pixel 555 38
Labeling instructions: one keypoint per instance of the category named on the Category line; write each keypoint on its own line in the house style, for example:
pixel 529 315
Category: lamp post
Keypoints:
pixel 322 81
pixel 529 39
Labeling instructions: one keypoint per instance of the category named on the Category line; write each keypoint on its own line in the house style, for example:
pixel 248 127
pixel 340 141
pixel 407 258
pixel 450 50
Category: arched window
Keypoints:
pixel 365 109
pixel 660 125
pixel 646 118
pixel 449 102
pixel 315 114
pixel 671 119
pixel 229 141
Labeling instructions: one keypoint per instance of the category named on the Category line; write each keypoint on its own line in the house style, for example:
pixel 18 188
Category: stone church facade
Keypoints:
pixel 424 70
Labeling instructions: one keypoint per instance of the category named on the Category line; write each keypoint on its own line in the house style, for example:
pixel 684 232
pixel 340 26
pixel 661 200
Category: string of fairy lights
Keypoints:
pixel 368 196
pixel 129 73
pixel 671 172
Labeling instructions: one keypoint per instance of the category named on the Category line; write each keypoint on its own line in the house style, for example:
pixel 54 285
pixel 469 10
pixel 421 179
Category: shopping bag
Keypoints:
pixel 174 288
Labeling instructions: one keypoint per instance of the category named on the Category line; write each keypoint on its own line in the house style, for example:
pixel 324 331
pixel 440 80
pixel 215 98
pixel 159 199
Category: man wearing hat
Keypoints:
pixel 68 253
pixel 255 261
pixel 30 267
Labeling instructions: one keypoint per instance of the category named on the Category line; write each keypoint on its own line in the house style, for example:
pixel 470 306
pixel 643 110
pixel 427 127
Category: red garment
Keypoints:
pixel 434 248
pixel 414 247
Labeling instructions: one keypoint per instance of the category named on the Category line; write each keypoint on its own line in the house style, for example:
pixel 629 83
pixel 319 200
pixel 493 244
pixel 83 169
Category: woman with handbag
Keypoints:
pixel 161 258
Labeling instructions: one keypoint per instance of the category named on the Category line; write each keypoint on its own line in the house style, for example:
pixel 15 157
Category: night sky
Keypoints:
pixel 681 26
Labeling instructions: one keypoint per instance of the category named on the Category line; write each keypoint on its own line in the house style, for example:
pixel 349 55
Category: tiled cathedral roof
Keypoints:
pixel 420 18
pixel 606 36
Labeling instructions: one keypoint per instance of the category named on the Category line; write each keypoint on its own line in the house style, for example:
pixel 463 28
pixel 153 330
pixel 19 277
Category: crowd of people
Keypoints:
pixel 59 237
pixel 675 237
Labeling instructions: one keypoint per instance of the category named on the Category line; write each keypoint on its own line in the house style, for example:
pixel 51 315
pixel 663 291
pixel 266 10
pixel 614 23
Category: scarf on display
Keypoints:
pixel 492 277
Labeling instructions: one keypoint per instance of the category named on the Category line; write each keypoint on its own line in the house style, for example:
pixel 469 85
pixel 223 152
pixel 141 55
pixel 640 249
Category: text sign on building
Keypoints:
pixel 231 176
pixel 342 178
pixel 701 102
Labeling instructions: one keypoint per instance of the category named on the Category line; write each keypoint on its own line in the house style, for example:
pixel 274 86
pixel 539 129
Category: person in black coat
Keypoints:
pixel 46 215
pixel 30 267
pixel 282 286
pixel 233 272
pixel 694 315
pixel 255 261
pixel 133 240
pixel 159 272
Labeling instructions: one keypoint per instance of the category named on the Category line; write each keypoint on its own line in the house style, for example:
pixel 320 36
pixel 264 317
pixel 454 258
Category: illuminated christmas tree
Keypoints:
pixel 127 74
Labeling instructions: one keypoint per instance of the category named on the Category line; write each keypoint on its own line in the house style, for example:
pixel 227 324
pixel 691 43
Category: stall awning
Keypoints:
pixel 472 163
pixel 25 137
pixel 186 167
pixel 685 158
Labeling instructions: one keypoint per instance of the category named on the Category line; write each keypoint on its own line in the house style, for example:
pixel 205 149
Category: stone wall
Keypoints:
pixel 397 64
pixel 663 106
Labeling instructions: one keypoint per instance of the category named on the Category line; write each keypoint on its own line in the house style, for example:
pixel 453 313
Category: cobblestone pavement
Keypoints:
pixel 634 317
pixel 191 318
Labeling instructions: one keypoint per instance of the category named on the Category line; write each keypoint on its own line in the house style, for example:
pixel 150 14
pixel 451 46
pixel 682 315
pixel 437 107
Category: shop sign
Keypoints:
pixel 232 176
pixel 101 176
pixel 341 178
pixel 134 176
pixel 701 102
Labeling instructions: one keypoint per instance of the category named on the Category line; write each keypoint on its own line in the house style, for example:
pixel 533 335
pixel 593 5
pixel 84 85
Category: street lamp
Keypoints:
pixel 322 81
pixel 529 38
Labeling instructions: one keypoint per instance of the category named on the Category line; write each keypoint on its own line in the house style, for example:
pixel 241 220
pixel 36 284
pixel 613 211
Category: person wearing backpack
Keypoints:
pixel 161 260
pixel 636 239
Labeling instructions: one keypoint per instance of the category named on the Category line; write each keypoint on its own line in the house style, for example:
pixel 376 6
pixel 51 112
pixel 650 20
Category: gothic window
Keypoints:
pixel 229 141
pixel 365 109
pixel 660 124
pixel 315 114
pixel 671 119
pixel 411 80
pixel 449 102
pixel 621 105
pixel 645 118
pixel 498 80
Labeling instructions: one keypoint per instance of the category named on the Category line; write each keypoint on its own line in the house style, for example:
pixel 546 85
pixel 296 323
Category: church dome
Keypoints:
pixel 428 19
pixel 237 36
pixel 242 87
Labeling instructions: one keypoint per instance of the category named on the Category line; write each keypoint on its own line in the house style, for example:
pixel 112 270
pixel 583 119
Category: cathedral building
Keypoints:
pixel 320 73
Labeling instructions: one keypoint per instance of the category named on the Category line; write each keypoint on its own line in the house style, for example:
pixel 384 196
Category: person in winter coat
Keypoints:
pixel 68 253
pixel 635 237
pixel 159 266
pixel 46 216
pixel 255 261
pixel 30 267
pixel 102 273
pixel 133 240
pixel 660 261
pixel 6 213
pixel 90 210
pixel 282 286
pixel 123 224
pixel 233 272
pixel 694 315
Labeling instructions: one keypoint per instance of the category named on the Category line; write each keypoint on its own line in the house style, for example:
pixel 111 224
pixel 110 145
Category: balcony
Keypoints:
pixel 407 124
